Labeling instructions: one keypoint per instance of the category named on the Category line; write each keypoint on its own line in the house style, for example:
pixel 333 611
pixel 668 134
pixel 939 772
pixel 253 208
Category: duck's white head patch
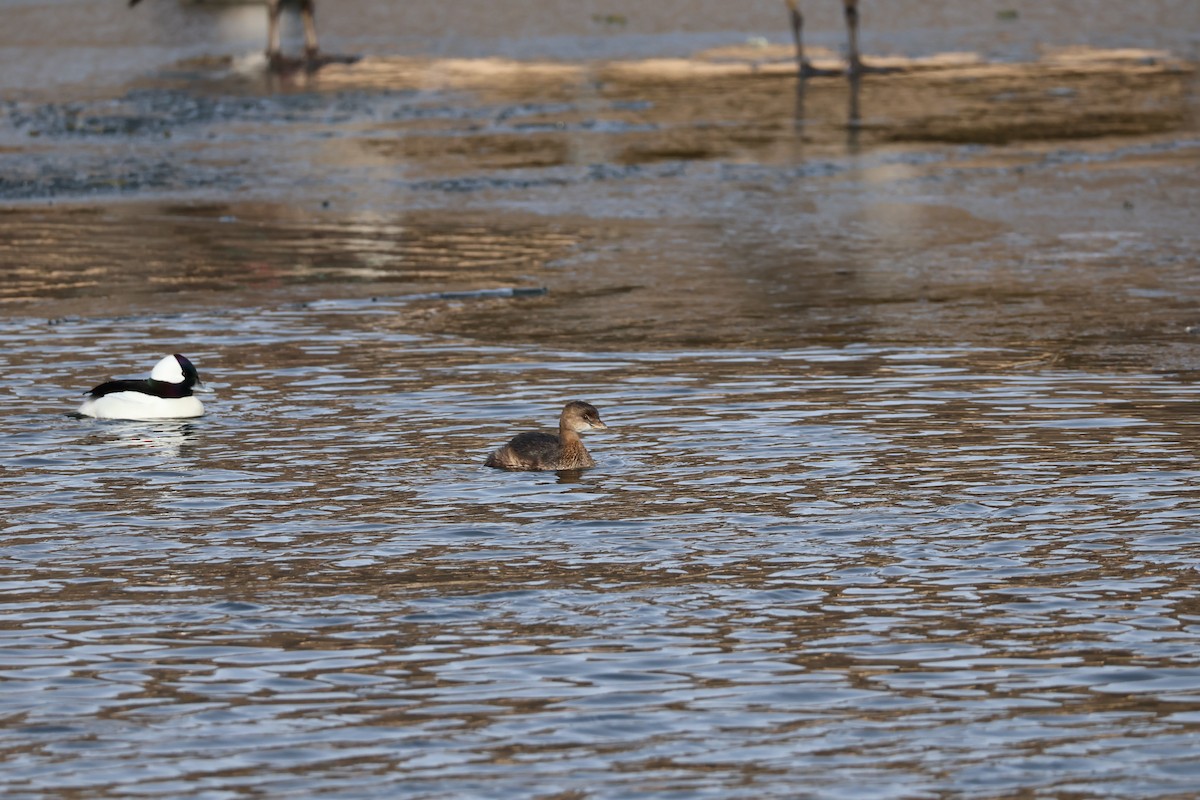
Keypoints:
pixel 169 370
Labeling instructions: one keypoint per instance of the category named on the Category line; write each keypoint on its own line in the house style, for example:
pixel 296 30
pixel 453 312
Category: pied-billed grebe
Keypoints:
pixel 538 450
pixel 166 395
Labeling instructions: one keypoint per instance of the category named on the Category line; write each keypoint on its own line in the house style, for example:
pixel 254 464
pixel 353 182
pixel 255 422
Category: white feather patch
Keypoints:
pixel 167 370
pixel 139 406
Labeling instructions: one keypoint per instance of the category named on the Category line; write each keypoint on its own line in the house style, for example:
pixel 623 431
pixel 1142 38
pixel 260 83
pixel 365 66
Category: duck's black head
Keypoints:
pixel 176 369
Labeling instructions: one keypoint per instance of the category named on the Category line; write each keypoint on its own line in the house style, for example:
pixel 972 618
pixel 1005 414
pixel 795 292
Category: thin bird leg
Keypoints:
pixel 802 65
pixel 310 29
pixel 273 30
pixel 854 66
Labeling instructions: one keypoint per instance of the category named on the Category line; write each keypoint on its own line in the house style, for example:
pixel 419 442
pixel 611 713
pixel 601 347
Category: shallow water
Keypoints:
pixel 901 492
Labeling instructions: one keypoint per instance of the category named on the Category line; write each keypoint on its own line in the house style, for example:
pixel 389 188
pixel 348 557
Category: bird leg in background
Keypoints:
pixel 307 11
pixel 273 31
pixel 854 65
pixel 802 65
pixel 307 14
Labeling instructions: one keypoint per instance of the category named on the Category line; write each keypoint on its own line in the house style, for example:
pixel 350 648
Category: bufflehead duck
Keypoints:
pixel 166 395
pixel 536 450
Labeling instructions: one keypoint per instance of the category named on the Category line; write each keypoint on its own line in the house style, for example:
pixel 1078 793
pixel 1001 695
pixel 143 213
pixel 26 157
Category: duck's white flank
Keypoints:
pixel 140 406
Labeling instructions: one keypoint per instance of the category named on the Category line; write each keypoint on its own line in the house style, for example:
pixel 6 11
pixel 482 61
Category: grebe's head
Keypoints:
pixel 581 416
pixel 175 369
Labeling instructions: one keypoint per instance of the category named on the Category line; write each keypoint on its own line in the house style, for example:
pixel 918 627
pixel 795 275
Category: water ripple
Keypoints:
pixel 787 564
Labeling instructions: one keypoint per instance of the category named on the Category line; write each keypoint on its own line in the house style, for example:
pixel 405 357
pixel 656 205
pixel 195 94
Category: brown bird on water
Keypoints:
pixel 545 451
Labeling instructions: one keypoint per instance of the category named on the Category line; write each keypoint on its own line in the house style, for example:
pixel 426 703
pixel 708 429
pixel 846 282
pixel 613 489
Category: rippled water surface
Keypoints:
pixel 901 492
pixel 907 570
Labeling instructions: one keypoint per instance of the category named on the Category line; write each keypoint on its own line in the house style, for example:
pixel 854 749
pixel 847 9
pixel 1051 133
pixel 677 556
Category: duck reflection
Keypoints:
pixel 172 439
